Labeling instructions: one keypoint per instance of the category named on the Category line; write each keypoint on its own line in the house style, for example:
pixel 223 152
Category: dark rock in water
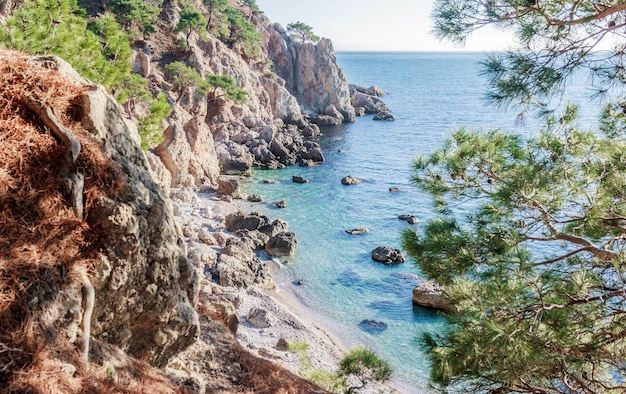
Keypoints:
pixel 283 244
pixel 306 163
pixel 241 221
pixel 281 204
pixel 384 116
pixel 357 231
pixel 255 198
pixel 299 179
pixel 410 219
pixel 276 227
pixel 387 255
pixel 298 282
pixel 348 278
pixel 394 189
pixel 373 326
pixel 350 180
pixel 270 181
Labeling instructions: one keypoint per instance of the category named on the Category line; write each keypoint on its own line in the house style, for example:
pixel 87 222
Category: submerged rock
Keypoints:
pixel 357 231
pixel 373 326
pixel 384 115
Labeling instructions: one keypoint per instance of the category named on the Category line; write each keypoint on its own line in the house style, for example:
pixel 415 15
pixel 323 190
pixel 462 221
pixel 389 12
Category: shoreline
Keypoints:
pixel 290 318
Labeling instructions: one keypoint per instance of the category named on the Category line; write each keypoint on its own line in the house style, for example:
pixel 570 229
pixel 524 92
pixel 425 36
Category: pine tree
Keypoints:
pixel 529 242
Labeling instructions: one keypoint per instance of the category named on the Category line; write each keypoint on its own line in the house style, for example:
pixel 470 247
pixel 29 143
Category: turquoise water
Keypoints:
pixel 429 94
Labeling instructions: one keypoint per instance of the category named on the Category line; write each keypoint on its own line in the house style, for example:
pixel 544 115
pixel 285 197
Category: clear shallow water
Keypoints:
pixel 429 94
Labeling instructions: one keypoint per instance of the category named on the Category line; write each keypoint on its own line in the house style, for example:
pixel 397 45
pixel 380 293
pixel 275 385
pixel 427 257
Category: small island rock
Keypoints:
pixel 350 180
pixel 410 219
pixel 299 179
pixel 387 255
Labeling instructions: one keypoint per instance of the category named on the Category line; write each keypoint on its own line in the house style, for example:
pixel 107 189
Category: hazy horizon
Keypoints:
pixel 369 26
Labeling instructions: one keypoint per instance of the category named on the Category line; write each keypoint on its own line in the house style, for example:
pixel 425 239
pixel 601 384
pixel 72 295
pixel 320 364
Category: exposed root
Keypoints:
pixel 90 296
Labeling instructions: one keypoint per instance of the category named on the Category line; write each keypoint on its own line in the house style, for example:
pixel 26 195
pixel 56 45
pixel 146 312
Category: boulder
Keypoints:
pixel 311 150
pixel 299 179
pixel 371 104
pixel 260 317
pixel 350 180
pixel 282 345
pixel 231 185
pixel 410 219
pixel 276 227
pixel 255 198
pixel 359 111
pixel 234 159
pixel 385 115
pixel 238 266
pixel 282 244
pixel 394 189
pixel 241 221
pixel 281 204
pixel 430 295
pixel 372 90
pixel 387 255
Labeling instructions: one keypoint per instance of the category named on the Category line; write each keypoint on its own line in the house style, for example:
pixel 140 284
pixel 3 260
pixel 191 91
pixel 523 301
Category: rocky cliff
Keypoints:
pixel 208 136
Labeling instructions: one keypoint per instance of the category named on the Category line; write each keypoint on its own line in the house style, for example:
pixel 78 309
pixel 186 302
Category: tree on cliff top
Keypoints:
pixel 536 259
pixel 302 31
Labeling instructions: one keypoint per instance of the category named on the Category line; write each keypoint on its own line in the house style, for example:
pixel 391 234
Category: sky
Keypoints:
pixel 376 25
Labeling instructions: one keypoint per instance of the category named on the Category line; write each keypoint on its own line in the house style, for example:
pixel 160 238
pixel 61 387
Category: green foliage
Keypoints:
pixel 227 85
pixel 535 264
pixel 364 365
pixel 302 31
pixel 135 14
pixel 240 32
pixel 190 20
pixel 151 125
pixel 184 77
pixel 529 241
pixel 61 29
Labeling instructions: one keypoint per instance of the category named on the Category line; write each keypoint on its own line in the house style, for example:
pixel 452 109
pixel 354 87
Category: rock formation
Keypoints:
pixel 428 294
pixel 387 255
pixel 311 75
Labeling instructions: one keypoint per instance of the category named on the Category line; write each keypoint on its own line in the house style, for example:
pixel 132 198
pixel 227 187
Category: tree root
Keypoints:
pixel 75 181
pixel 90 297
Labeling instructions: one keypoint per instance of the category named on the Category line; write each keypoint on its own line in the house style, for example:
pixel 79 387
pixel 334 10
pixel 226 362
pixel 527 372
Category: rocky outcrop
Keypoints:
pixel 350 180
pixel 129 256
pixel 282 244
pixel 311 75
pixel 428 294
pixel 387 255
pixel 370 104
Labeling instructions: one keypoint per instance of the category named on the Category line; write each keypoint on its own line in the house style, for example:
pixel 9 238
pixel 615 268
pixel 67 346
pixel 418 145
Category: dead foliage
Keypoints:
pixel 43 244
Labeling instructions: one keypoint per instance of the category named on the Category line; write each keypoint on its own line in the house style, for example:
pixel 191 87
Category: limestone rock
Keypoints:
pixel 430 295
pixel 260 317
pixel 387 255
pixel 350 180
pixel 237 265
pixel 410 219
pixel 311 73
pixel 142 273
pixel 276 227
pixel 282 244
pixel 371 91
pixel 231 185
pixel 385 115
pixel 371 104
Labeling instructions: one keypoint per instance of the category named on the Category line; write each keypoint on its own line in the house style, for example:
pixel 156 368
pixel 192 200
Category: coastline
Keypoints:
pixel 291 319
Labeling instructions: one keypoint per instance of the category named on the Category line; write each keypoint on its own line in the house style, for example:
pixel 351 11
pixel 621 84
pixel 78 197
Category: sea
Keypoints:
pixel 332 272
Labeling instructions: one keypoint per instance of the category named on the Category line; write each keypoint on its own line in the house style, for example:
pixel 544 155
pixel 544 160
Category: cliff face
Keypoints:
pixel 312 75
pixel 207 135
pixel 89 245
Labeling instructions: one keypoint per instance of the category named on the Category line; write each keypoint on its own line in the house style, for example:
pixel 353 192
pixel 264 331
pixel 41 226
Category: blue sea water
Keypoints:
pixel 430 94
